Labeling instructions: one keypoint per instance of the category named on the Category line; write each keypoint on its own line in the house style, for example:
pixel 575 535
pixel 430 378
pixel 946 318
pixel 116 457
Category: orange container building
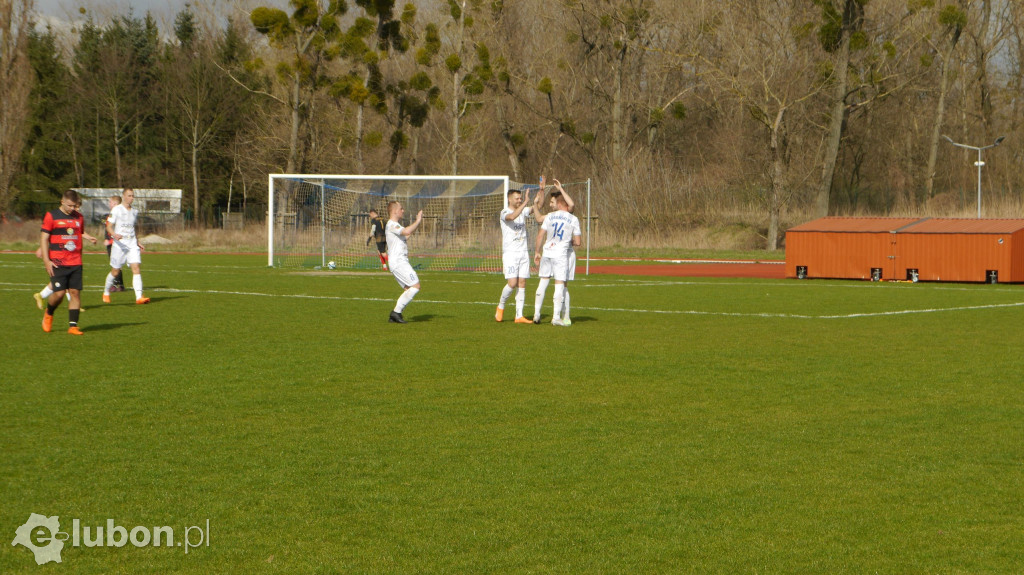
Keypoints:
pixel 846 248
pixel 930 249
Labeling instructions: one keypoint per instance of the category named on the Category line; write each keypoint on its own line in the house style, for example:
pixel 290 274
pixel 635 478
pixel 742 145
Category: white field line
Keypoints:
pixel 12 286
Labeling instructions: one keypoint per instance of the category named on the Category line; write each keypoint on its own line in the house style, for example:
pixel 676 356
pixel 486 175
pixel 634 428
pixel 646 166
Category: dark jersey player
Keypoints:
pixel 378 235
pixel 61 240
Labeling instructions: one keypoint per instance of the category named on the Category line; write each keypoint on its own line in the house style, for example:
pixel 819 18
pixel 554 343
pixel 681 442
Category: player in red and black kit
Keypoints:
pixel 377 234
pixel 61 240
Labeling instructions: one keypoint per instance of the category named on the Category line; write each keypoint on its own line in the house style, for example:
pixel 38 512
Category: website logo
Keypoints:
pixel 41 529
pixel 42 535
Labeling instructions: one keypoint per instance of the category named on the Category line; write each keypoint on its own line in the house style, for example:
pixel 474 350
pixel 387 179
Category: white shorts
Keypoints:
pixel 121 254
pixel 557 268
pixel 517 265
pixel 404 274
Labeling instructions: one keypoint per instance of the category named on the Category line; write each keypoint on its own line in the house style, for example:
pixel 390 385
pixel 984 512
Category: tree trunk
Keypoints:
pixel 777 191
pixel 456 116
pixel 983 48
pixel 940 113
pixel 359 138
pixel 456 82
pixel 15 87
pixel 293 137
pixel 414 152
pixel 617 106
pixel 195 181
pixel 79 173
pixel 551 153
pixel 117 150
pixel 835 129
pixel 506 140
pixel 99 178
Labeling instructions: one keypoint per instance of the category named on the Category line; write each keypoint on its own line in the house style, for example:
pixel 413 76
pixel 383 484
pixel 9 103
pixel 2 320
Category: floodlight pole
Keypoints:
pixel 979 163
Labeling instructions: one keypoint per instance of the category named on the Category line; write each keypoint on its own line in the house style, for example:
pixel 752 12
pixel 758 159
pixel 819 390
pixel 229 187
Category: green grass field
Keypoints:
pixel 712 425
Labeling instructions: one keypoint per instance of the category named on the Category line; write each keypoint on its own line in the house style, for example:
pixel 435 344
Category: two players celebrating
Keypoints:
pixel 559 234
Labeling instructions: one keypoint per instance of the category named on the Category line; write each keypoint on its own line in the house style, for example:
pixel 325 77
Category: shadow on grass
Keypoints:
pixel 108 326
pixel 424 317
pixel 115 301
pixel 546 319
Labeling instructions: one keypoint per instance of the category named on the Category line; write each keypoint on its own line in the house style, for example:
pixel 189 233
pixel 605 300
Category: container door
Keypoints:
pixel 893 255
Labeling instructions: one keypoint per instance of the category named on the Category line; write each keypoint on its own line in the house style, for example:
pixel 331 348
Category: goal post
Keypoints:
pixel 317 218
pixel 314 219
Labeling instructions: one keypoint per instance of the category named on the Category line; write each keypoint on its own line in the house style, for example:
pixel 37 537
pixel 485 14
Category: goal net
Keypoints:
pixel 314 219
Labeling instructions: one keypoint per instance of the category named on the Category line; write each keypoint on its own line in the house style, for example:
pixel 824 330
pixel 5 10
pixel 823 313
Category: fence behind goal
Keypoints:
pixel 315 219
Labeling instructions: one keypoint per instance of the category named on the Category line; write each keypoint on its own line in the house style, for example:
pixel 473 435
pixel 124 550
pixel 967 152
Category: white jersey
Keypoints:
pixel 398 249
pixel 561 227
pixel 513 233
pixel 123 220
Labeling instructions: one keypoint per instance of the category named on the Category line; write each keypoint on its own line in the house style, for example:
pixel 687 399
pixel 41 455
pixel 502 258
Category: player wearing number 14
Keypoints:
pixel 562 231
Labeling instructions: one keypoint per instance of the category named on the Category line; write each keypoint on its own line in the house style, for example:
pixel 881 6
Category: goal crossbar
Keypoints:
pixel 314 219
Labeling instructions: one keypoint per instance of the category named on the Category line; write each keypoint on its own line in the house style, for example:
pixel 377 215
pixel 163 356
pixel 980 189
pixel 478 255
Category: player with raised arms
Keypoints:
pixel 126 247
pixel 398 258
pixel 515 256
pixel 60 243
pixel 545 265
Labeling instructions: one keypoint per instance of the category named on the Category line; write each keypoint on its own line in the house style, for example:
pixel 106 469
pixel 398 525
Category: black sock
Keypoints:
pixel 73 317
pixel 50 308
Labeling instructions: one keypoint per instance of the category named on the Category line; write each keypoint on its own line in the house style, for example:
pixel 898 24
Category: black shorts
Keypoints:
pixel 67 277
pixel 382 247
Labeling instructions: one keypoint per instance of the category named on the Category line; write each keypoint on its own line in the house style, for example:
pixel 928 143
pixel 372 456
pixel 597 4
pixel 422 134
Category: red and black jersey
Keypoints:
pixel 65 237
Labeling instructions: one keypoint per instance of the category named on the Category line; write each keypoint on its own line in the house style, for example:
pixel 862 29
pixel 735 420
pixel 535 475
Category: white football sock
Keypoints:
pixel 505 292
pixel 565 304
pixel 405 299
pixel 520 301
pixel 47 292
pixel 137 285
pixel 542 289
pixel 108 284
pixel 559 296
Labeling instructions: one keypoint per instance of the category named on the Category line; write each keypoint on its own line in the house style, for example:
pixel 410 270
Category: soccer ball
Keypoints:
pixel 331 265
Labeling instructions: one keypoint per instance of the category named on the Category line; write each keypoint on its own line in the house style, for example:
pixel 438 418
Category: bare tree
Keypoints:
pixel 15 86
pixel 952 19
pixel 305 37
pixel 201 95
pixel 842 19
pixel 768 69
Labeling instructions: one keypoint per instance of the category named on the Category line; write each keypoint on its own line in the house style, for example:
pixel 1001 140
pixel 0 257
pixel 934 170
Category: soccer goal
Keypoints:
pixel 314 219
